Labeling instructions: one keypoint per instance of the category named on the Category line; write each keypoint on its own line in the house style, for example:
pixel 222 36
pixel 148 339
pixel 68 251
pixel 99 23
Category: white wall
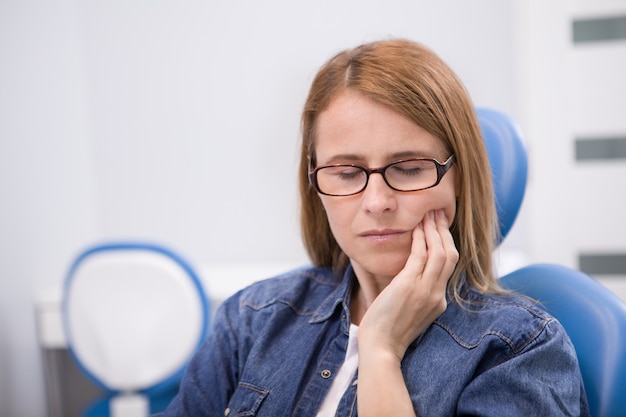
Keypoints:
pixel 572 91
pixel 46 180
pixel 120 120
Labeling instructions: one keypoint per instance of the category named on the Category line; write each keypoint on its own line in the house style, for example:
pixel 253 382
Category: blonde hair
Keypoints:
pixel 415 82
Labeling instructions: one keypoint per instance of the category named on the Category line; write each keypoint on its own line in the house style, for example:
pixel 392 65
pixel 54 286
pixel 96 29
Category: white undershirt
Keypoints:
pixel 343 378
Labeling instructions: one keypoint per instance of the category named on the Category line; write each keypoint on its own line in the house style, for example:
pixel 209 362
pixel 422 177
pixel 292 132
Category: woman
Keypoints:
pixel 401 314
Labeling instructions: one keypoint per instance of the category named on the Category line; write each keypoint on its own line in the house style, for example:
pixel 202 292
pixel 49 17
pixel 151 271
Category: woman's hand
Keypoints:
pixel 400 313
pixel 417 295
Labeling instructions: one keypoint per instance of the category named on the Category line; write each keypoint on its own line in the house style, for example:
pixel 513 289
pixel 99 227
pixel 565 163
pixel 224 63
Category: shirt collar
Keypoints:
pixel 339 296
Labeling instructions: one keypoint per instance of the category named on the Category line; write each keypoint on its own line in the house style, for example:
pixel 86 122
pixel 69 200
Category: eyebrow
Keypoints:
pixel 353 158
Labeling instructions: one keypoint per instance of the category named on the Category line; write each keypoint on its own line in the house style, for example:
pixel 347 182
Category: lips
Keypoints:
pixel 382 235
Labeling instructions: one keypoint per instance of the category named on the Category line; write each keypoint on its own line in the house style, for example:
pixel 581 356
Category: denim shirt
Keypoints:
pixel 277 344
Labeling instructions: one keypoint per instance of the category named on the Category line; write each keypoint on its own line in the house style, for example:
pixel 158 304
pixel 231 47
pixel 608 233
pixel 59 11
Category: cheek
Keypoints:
pixel 430 200
pixel 450 193
pixel 337 213
pixel 341 214
pixel 450 210
pixel 433 202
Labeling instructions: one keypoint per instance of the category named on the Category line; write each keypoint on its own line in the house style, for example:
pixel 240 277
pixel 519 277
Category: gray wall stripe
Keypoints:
pixel 600 148
pixel 603 263
pixel 599 29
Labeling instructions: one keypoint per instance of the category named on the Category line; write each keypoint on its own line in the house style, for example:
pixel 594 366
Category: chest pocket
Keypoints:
pixel 245 401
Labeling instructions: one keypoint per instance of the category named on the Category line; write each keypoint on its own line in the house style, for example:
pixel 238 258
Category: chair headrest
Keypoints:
pixel 509 164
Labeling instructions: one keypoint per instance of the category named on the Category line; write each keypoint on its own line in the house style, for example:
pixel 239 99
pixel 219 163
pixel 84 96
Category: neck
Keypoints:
pixel 364 292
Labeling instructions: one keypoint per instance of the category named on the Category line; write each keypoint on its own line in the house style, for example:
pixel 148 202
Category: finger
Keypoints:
pixel 452 253
pixel 436 275
pixel 442 252
pixel 435 246
pixel 418 256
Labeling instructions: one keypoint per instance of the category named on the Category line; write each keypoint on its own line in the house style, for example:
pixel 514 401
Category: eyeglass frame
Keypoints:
pixel 442 168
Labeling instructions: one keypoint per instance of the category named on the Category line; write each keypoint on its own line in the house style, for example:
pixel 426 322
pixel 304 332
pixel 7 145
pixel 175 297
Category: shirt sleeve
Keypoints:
pixel 211 375
pixel 542 379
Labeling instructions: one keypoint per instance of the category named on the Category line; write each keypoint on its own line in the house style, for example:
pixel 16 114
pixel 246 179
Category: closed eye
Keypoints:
pixel 410 168
pixel 343 172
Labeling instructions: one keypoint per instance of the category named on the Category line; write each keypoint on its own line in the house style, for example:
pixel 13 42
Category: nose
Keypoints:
pixel 378 197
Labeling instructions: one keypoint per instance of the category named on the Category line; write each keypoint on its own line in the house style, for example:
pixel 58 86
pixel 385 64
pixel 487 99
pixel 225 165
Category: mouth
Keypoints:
pixel 382 235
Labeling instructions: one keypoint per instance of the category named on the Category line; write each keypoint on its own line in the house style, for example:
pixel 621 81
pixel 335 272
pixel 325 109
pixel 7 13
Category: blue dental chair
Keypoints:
pixel 134 314
pixel 594 317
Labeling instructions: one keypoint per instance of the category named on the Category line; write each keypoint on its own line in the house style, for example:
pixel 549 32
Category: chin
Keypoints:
pixel 384 265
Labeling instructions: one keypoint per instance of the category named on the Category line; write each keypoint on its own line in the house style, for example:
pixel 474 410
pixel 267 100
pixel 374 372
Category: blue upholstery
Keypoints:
pixel 509 166
pixel 593 316
pixel 595 320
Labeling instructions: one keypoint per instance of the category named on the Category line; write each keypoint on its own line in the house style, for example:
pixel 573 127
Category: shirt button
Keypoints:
pixel 326 374
pixel 227 412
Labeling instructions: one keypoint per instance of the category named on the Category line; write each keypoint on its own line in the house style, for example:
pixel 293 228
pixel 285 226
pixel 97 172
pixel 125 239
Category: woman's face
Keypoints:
pixel 374 227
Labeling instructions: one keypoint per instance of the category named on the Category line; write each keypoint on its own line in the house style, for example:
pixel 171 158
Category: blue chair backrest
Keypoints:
pixel 594 317
pixel 595 320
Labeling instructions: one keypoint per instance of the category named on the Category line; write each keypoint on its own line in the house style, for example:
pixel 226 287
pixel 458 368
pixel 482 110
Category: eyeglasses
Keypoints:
pixel 406 175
